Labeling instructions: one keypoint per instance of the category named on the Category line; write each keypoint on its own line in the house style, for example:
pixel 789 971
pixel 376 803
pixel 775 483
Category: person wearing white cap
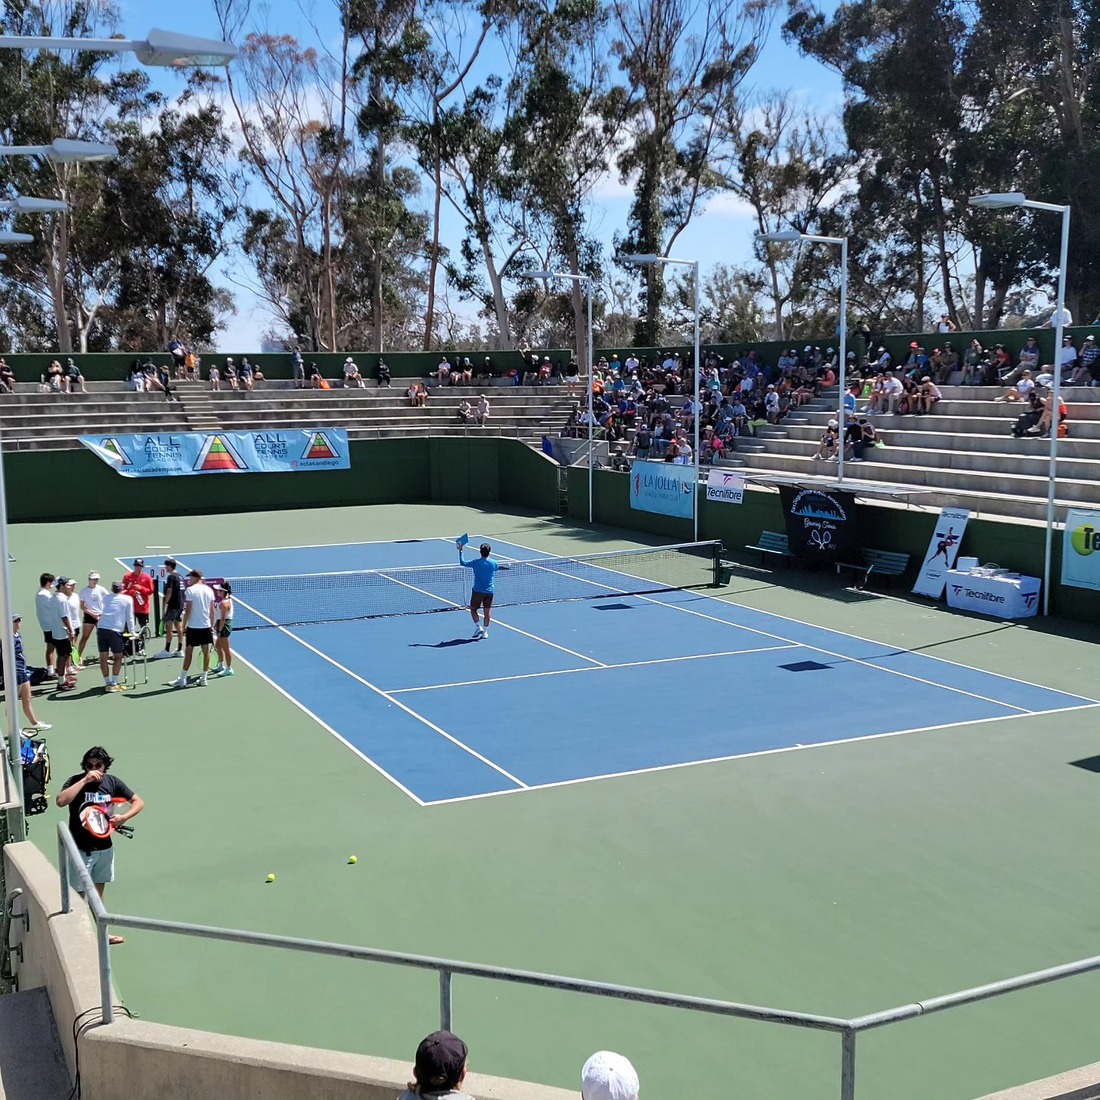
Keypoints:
pixel 609 1076
pixel 91 607
pixel 826 449
pixel 352 377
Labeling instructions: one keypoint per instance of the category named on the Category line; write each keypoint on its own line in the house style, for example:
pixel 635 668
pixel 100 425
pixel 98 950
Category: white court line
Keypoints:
pixel 569 671
pixel 323 545
pixel 744 756
pixel 385 695
pixel 853 660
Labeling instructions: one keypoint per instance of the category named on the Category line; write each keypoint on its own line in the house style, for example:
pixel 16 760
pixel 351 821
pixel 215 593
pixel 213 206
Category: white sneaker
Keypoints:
pixel 485 632
pixel 478 633
pixel 180 683
pixel 41 727
pixel 202 680
pixel 162 654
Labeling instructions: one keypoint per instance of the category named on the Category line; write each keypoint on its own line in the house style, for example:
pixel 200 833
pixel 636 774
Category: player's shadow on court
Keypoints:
pixel 443 645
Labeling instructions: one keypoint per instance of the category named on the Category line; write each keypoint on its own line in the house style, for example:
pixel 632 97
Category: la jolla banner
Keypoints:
pixel 663 487
pixel 176 454
pixel 1081 549
pixel 943 549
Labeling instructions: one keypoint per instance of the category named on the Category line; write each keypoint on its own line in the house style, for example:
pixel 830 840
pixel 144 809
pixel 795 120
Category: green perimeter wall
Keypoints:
pixel 1019 547
pixel 115 366
pixel 487 471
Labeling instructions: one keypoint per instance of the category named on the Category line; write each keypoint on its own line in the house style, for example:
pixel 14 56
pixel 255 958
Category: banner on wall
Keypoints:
pixel 663 487
pixel 724 486
pixel 821 526
pixel 943 549
pixel 176 454
pixel 1081 549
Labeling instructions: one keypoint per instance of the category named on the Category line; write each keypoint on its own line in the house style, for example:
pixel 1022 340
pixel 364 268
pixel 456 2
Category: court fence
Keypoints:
pixel 447 969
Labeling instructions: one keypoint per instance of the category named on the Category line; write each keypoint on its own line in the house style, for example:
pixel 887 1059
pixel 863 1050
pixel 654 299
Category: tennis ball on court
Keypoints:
pixel 353 859
pixel 270 878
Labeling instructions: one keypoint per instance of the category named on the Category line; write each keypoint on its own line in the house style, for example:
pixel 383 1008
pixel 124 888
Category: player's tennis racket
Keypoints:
pixel 100 823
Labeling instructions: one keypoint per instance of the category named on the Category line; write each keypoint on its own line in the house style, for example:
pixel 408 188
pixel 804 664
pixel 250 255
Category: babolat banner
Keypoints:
pixel 943 549
pixel 1081 549
pixel 176 454
pixel 662 487
pixel 821 526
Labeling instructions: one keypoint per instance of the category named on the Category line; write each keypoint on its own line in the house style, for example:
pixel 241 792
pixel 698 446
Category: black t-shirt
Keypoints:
pixel 109 790
pixel 173 593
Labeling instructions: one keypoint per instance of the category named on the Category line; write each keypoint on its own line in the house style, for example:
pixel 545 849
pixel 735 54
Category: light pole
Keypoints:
pixel 1006 201
pixel 157 48
pixel 784 236
pixel 586 282
pixel 645 259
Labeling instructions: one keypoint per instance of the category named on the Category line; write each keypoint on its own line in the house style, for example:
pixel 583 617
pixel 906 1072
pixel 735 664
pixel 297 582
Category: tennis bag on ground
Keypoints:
pixel 36 775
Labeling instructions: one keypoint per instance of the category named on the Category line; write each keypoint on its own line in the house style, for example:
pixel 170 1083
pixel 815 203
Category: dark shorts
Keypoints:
pixel 63 646
pixel 23 677
pixel 172 614
pixel 109 641
pixel 142 618
pixel 226 630
pixel 481 599
pixel 201 635
pixel 89 620
pixel 47 637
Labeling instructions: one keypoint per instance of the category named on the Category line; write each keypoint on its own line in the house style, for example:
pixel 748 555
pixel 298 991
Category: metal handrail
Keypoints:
pixel 69 856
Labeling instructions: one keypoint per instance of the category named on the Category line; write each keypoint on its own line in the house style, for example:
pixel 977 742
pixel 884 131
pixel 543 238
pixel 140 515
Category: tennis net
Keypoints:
pixel 300 599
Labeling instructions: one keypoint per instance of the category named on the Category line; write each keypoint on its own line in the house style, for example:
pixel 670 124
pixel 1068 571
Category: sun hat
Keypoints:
pixel 609 1076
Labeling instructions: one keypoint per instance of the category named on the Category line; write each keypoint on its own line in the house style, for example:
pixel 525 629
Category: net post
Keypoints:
pixel 716 564
pixel 446 1011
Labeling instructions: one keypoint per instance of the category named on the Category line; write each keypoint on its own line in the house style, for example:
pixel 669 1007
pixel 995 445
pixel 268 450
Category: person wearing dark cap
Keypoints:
pixel 439 1069
pixel 173 610
pixel 138 585
pixel 64 633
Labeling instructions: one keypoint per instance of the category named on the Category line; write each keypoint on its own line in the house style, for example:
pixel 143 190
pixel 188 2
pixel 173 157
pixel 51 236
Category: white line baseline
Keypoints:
pixel 569 671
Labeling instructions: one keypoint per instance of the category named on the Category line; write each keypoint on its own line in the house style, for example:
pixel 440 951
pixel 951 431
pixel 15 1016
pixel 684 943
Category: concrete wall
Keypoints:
pixel 147 1061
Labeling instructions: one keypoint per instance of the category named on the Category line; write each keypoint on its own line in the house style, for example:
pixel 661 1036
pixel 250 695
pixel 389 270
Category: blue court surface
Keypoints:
pixel 586 689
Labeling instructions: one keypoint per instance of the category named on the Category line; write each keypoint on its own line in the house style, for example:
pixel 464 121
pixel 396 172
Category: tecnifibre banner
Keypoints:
pixel 943 549
pixel 1081 549
pixel 821 526
pixel 175 454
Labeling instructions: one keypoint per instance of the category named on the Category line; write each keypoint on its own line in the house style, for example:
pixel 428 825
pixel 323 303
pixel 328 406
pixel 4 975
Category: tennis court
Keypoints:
pixel 550 697
pixel 662 826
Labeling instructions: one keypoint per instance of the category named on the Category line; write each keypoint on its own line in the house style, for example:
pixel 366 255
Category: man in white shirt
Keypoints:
pixel 352 377
pixel 1020 391
pixel 116 619
pixel 198 625
pixel 1067 319
pixel 43 609
pixel 1069 357
pixel 892 390
pixel 91 605
pixel 631 363
pixel 481 413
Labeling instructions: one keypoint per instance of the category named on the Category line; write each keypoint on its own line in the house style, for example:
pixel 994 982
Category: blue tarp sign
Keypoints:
pixel 1081 549
pixel 664 487
pixel 175 454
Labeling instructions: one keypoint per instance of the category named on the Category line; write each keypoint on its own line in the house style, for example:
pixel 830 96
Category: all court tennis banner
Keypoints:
pixel 943 549
pixel 1081 549
pixel 821 526
pixel 178 454
pixel 662 487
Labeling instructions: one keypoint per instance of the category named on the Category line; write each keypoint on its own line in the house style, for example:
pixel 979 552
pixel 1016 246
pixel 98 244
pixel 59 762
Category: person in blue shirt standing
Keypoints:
pixel 484 570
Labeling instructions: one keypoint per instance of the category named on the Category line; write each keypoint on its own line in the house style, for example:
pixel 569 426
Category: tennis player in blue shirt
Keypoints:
pixel 485 571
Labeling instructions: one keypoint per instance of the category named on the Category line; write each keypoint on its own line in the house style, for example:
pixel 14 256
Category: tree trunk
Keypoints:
pixel 58 263
pixel 433 261
pixel 376 92
pixel 941 249
pixel 580 313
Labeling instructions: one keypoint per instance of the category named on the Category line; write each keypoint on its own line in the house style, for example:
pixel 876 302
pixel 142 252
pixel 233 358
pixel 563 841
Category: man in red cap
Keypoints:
pixel 138 585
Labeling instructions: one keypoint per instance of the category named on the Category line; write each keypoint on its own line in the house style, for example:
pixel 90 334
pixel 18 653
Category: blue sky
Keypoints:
pixel 721 234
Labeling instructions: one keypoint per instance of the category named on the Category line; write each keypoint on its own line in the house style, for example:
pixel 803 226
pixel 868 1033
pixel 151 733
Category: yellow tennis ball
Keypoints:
pixel 1085 540
pixel 353 859
pixel 270 878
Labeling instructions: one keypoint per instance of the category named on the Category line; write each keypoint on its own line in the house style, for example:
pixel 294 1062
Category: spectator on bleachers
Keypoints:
pixel 643 441
pixel 178 353
pixel 868 438
pixel 54 375
pixel 135 380
pixel 73 380
pixel 229 372
pixel 1067 318
pixel 1068 358
pixel 462 372
pixel 442 370
pixel 945 324
pixel 481 413
pixel 257 373
pixel 352 378
pixel 892 390
pixel 417 393
pixel 465 411
pixel 384 375
pixel 215 376
pixel 244 373
pixel 949 363
pixel 882 361
pixel 439 1069
pixel 1028 360
pixel 1045 417
pixel 609 1076
pixel 927 396
pixel 908 402
pixel 1080 376
pixel 572 376
pixel 1020 391
pixel 7 377
pixel 971 363
pixel 1027 422
pixel 298 369
pixel 1002 363
pixel 771 404
pixel 826 449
